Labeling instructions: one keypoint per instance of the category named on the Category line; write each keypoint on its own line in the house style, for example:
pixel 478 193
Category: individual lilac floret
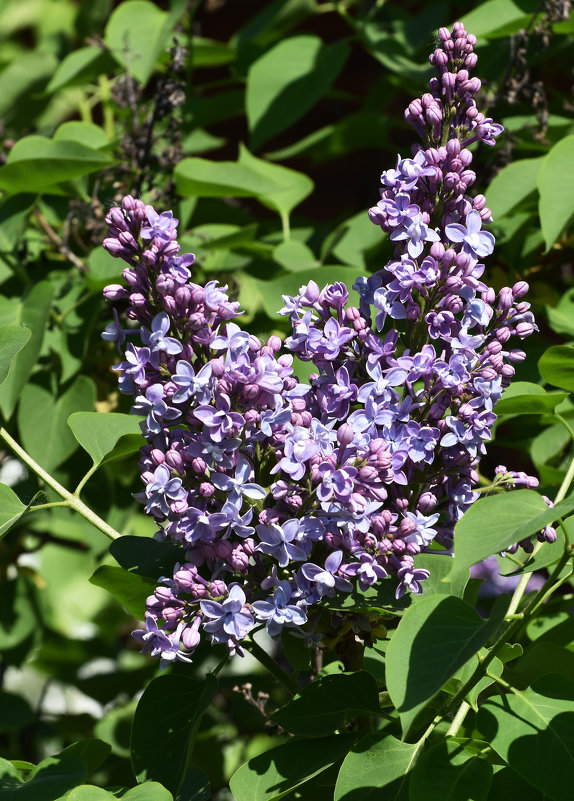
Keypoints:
pixel 281 542
pixel 158 643
pixel 157 340
pixel 476 243
pixel 279 612
pixel 229 620
pixel 161 490
pixel 162 226
pixel 416 232
pixel 239 484
pixel 327 578
pixel 191 384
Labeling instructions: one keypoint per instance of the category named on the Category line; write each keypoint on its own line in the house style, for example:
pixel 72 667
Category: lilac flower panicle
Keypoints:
pixel 281 494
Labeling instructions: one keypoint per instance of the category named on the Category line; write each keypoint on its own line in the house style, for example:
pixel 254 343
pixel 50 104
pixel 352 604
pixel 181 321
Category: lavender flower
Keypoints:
pixel 281 493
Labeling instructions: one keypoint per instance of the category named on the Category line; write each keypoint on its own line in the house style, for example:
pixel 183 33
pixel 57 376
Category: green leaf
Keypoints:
pixel 94 752
pixel 556 187
pixel 33 313
pixel 99 433
pixel 512 185
pixel 145 556
pixel 295 256
pixel 11 509
pixel 377 767
pixel 196 786
pixel 15 713
pixel 434 638
pixel 276 187
pixel 12 340
pixel 88 792
pixel 196 176
pixel 497 18
pixel 506 783
pixel 138 32
pixel 14 214
pixel 540 720
pixel 280 770
pixel 50 779
pixel 165 725
pixel 128 588
pixel 543 658
pixel 27 73
pixel 511 517
pixel 291 187
pixel 43 421
pixel 115 728
pixel 148 791
pixel 36 164
pixel 328 703
pixel 18 615
pixel 353 237
pixel 447 772
pixel 86 133
pixel 78 66
pixel 561 316
pixel 556 366
pixel 210 53
pixel 523 397
pixel 287 80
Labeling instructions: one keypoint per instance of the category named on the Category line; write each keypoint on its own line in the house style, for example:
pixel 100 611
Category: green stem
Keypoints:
pixel 286 227
pixel 560 495
pixel 458 719
pixel 41 506
pixel 509 632
pixel 71 500
pixel 268 662
pixel 85 480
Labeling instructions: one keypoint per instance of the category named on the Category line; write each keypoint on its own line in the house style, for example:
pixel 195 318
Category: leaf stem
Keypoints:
pixel 85 479
pixel 72 501
pixel 458 719
pixel 285 226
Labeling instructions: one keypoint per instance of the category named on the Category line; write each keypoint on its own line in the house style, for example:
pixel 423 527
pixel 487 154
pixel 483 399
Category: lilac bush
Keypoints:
pixel 282 493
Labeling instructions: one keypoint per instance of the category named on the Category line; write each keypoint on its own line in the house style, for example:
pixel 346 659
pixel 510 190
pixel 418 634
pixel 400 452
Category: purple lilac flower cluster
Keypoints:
pixel 281 493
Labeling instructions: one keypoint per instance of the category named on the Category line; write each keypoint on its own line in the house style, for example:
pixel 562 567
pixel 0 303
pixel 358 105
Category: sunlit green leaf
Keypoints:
pixel 11 509
pixel 12 340
pixel 137 34
pixel 556 187
pixel 556 366
pixel 512 185
pixel 43 420
pixel 33 313
pixel 128 588
pixel 98 434
pixel 287 80
pixel 377 767
pixel 522 397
